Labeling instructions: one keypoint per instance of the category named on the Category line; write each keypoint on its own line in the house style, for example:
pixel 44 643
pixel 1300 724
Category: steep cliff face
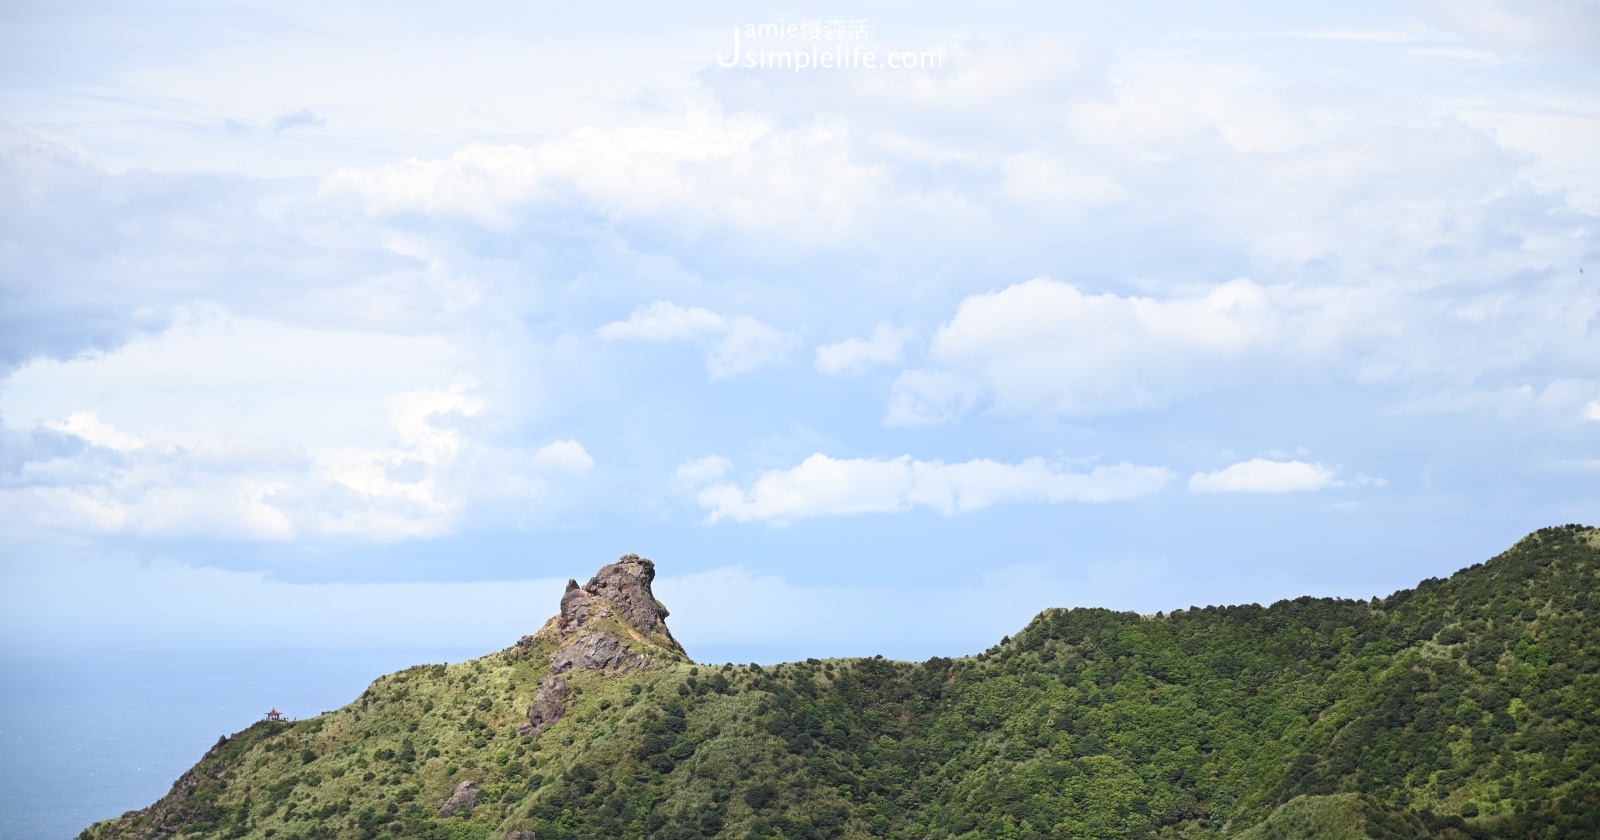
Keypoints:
pixel 621 589
pixel 612 623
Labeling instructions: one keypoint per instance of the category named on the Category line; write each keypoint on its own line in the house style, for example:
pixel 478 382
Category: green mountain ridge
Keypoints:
pixel 1463 708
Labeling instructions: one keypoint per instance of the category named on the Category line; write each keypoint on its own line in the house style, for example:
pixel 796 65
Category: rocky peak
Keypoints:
pixel 612 622
pixel 621 589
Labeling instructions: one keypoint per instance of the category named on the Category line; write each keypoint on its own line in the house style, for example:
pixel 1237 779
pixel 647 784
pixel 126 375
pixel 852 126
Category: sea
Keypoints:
pixel 89 735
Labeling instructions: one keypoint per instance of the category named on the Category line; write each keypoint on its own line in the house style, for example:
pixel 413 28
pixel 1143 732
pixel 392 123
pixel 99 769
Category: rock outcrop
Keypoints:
pixel 461 799
pixel 622 587
pixel 549 705
pixel 598 651
pixel 612 623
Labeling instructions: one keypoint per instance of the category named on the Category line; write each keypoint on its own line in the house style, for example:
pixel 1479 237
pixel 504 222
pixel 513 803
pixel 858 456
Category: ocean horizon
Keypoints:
pixel 88 735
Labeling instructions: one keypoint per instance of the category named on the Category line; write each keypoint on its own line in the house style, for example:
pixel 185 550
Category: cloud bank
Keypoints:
pixel 853 355
pixel 1044 346
pixel 81 474
pixel 1259 475
pixel 743 344
pixel 479 321
pixel 825 486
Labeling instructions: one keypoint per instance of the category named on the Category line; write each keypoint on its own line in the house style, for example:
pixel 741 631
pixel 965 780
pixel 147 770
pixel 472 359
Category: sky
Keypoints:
pixel 879 326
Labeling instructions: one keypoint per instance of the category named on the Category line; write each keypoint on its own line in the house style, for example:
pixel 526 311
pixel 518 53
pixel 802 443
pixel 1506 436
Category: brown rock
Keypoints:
pixel 549 705
pixel 577 607
pixel 621 593
pixel 598 650
pixel 612 623
pixel 626 585
pixel 460 800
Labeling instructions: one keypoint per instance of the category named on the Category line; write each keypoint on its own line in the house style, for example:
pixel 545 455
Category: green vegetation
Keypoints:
pixel 1464 708
pixel 1348 816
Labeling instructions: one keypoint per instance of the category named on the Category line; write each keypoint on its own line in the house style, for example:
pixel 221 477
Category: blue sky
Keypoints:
pixel 331 325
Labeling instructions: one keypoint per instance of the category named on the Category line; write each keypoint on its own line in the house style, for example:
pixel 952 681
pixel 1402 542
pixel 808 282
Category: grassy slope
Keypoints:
pixel 1466 707
pixel 1345 816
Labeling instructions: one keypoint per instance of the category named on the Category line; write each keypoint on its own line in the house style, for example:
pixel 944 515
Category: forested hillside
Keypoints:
pixel 1466 707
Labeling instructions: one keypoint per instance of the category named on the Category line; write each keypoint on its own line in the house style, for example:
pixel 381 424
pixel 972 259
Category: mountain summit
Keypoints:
pixel 609 625
pixel 1462 709
pixel 612 623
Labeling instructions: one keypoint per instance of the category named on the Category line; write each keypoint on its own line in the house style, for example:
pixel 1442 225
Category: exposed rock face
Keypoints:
pixel 611 624
pixel 461 800
pixel 617 598
pixel 549 705
pixel 600 650
pixel 577 607
pixel 625 584
pixel 621 589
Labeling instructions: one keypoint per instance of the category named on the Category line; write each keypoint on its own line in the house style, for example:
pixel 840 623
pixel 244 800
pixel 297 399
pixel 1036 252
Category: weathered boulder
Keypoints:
pixel 519 834
pixel 577 607
pixel 549 705
pixel 461 799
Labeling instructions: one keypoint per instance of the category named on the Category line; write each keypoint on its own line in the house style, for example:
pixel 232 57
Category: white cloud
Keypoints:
pixel 567 456
pixel 1052 184
pixel 824 486
pixel 1523 26
pixel 87 426
pixel 1560 399
pixel 1259 475
pixel 749 344
pixel 1218 157
pixel 1020 136
pixel 854 355
pixel 744 345
pixel 922 397
pixel 700 169
pixel 664 321
pixel 424 482
pixel 216 374
pixel 413 414
pixel 1044 346
pixel 96 258
pixel 700 472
